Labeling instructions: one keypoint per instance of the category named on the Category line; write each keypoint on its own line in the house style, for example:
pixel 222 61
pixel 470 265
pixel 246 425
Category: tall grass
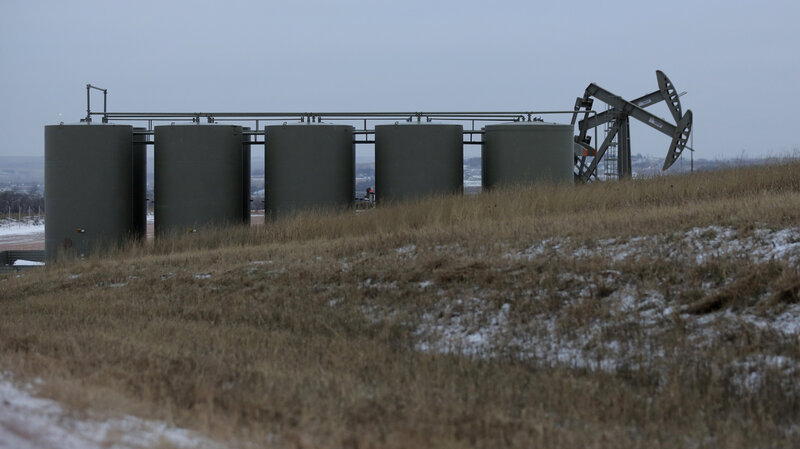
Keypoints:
pixel 304 332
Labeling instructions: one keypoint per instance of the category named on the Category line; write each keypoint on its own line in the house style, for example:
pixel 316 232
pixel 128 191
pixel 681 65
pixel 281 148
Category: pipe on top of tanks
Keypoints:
pixel 307 117
pixel 315 116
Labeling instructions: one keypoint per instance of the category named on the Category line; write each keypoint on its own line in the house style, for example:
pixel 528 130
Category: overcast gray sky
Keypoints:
pixel 739 60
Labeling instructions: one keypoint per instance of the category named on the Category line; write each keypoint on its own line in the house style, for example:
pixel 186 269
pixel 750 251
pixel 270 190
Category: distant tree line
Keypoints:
pixel 18 200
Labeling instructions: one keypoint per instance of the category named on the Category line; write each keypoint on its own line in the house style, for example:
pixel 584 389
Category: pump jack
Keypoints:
pixel 618 117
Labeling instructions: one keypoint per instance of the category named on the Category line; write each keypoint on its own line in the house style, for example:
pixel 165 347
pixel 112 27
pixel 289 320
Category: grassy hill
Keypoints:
pixel 646 313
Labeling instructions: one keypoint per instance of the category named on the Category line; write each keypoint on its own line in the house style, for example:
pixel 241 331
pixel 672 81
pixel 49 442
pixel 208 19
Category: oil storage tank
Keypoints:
pixel 524 153
pixel 308 167
pixel 413 160
pixel 91 188
pixel 199 170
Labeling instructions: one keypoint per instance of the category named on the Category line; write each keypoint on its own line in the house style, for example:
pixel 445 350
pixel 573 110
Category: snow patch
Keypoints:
pixel 697 245
pixel 27 263
pixel 28 422
pixel 466 327
pixel 407 251
pixel 24 227
pixel 425 284
pixel 627 337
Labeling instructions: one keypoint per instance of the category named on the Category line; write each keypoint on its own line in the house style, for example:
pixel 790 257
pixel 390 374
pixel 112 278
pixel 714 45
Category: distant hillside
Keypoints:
pixel 21 171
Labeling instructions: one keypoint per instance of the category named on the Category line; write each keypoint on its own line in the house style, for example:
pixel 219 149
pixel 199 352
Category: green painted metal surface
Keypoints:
pixel 308 167
pixel 413 160
pixel 90 187
pixel 199 170
pixel 527 153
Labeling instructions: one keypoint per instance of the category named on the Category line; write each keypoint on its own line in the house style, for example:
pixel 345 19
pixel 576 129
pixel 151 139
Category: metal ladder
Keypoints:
pixel 611 165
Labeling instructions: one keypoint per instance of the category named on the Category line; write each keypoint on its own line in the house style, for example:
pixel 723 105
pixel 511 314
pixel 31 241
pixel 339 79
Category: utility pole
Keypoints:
pixel 692 153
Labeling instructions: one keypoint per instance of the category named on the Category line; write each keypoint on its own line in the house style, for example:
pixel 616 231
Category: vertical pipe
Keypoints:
pixel 88 104
pixel 624 148
pixel 473 128
pixel 692 153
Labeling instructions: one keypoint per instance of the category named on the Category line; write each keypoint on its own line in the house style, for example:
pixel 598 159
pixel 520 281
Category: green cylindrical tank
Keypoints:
pixel 199 170
pixel 90 187
pixel 524 153
pixel 308 167
pixel 413 160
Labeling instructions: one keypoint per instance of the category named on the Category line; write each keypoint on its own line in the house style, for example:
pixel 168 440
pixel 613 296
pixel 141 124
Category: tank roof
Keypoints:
pixel 520 125
pixel 88 124
pixel 199 124
pixel 404 123
pixel 287 123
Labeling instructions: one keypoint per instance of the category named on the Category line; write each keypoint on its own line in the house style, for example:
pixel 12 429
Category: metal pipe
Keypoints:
pixel 471 117
pixel 473 129
pixel 488 119
pixel 89 112
pixel 88 104
pixel 217 119
pixel 335 115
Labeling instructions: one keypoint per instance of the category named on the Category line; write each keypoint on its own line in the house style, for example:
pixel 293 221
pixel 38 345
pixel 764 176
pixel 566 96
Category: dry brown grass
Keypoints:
pixel 306 332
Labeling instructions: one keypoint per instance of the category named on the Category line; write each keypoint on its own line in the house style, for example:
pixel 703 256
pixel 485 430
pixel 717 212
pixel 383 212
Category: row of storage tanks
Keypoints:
pixel 95 175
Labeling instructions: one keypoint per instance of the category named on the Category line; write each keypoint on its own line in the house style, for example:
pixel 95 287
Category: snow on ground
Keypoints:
pixel 630 337
pixel 475 327
pixel 29 422
pixel 27 263
pixel 24 227
pixel 697 244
